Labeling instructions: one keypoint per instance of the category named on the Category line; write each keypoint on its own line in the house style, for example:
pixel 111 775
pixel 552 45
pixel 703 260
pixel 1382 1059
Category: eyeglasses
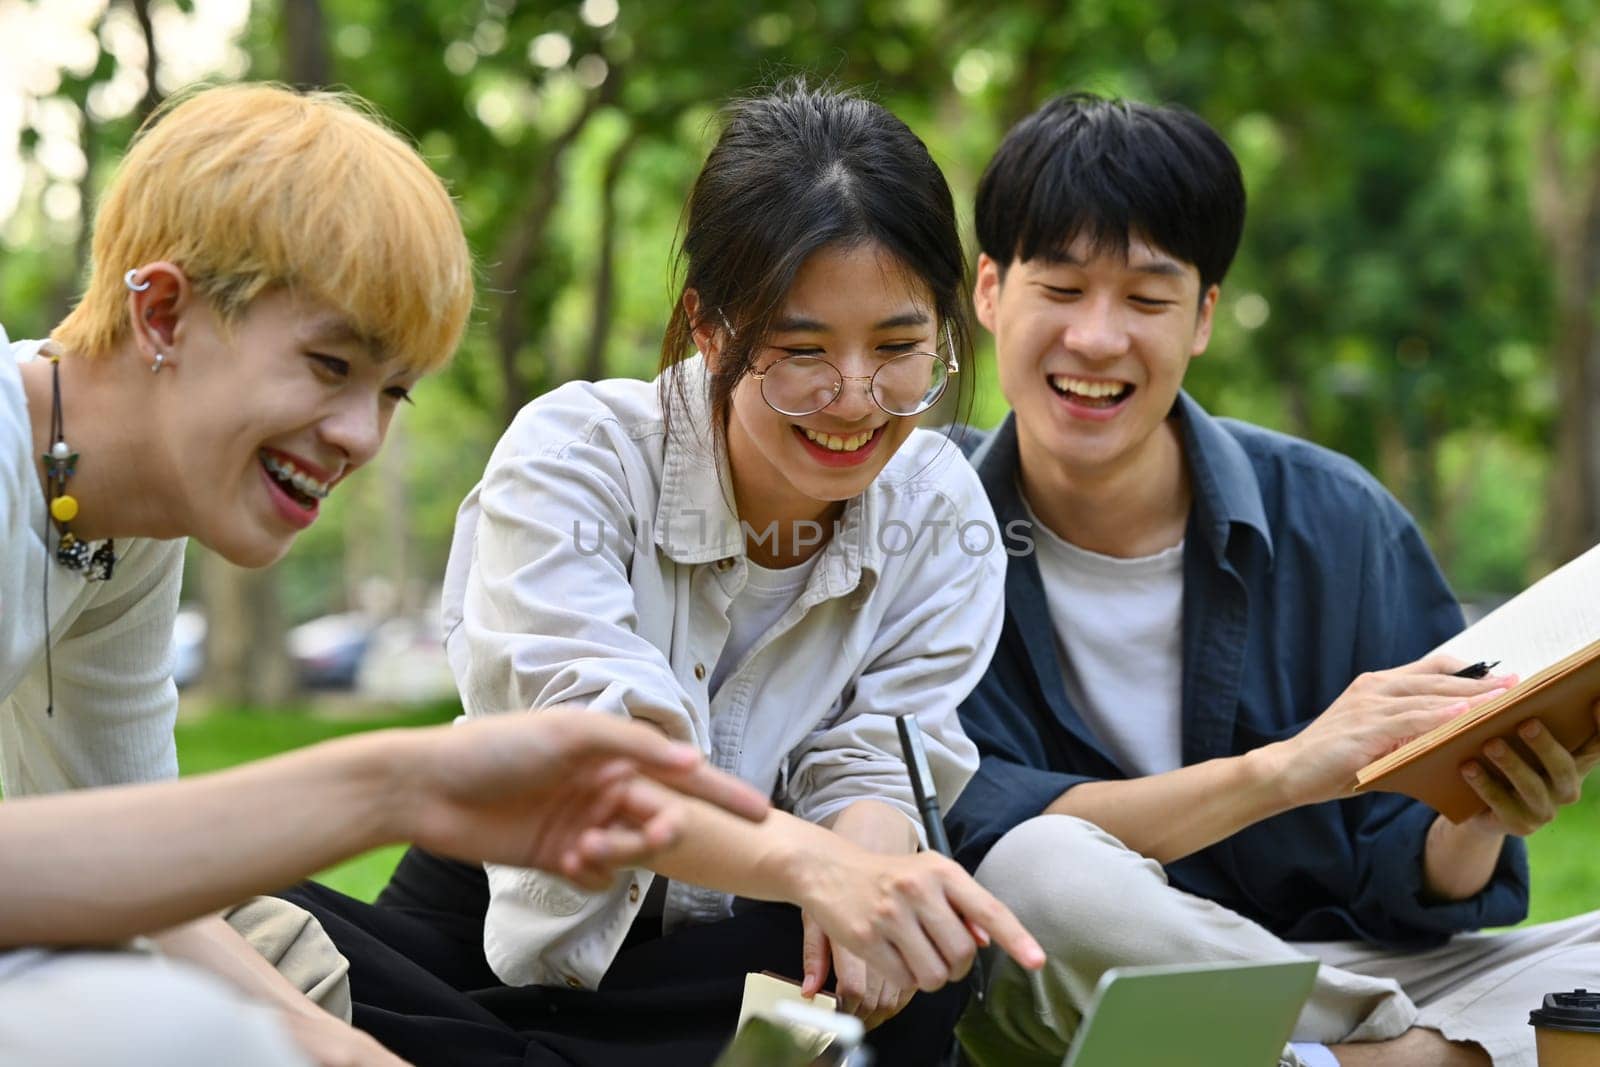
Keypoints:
pixel 908 384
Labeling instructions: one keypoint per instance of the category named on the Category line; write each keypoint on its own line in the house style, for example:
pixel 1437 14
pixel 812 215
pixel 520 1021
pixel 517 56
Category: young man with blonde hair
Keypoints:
pixel 272 272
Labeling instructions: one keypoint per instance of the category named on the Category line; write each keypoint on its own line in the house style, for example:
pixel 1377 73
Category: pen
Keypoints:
pixel 928 805
pixel 1477 670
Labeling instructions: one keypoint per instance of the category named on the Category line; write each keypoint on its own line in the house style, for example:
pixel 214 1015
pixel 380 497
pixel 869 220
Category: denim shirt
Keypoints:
pixel 595 564
pixel 1300 572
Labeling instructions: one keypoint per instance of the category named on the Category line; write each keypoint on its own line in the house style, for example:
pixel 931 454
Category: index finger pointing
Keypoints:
pixel 976 906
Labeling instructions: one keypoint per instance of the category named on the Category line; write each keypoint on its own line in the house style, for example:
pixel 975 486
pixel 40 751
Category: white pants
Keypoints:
pixel 1094 904
pixel 132 1009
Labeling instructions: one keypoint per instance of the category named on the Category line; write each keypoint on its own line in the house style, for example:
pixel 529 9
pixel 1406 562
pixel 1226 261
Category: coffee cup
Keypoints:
pixel 1567 1029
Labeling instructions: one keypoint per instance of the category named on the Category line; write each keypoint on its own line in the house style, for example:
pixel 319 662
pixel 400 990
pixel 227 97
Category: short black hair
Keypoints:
pixel 1107 169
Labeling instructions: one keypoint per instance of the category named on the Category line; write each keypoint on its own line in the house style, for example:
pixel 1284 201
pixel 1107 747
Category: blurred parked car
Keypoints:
pixel 189 644
pixel 327 652
pixel 405 663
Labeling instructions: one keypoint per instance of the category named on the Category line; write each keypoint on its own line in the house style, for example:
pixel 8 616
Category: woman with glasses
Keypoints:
pixel 759 553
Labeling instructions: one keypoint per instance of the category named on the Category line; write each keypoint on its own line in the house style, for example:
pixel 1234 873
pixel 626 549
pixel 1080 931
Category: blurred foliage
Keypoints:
pixel 1395 297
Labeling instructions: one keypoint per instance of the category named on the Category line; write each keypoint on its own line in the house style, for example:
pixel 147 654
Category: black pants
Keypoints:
pixel 421 986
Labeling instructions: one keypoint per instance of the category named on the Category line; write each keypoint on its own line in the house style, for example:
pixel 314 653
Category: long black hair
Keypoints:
pixel 794 171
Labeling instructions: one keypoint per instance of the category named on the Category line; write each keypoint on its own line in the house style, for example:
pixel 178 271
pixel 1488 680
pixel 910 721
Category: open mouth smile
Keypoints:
pixel 839 450
pixel 1096 393
pixel 296 492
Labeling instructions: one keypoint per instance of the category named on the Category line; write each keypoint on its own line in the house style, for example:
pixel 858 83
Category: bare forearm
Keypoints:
pixel 1169 816
pixel 210 943
pixel 1458 860
pixel 103 865
pixel 876 827
pixel 769 861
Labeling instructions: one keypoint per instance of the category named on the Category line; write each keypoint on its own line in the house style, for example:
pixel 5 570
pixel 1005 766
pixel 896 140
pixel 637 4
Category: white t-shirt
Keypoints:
pixel 115 702
pixel 766 595
pixel 1119 631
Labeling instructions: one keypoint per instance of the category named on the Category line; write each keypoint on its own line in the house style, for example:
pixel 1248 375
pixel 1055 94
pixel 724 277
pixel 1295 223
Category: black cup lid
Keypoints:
pixel 1578 1010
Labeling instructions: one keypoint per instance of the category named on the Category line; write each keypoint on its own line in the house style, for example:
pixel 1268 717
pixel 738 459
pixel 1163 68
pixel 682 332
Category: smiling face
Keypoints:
pixel 1092 348
pixel 857 308
pixel 266 417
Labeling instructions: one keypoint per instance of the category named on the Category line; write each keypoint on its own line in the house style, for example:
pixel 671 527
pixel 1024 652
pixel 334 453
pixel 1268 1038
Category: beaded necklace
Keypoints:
pixel 60 464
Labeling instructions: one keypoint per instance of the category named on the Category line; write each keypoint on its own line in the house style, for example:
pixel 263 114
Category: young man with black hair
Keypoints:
pixel 1217 626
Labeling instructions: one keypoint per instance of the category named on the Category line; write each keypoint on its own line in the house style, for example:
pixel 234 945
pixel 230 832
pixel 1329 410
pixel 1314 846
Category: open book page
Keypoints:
pixel 1552 628
pixel 1547 622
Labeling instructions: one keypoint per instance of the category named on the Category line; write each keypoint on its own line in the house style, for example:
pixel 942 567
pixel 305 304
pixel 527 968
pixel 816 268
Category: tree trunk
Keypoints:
pixel 1567 205
pixel 306 62
pixel 594 361
pixel 518 255
pixel 152 60
pixel 247 663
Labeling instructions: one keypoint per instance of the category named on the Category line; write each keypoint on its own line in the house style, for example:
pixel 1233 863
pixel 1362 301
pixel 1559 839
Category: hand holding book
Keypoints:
pixel 1548 635
pixel 1376 714
pixel 1523 786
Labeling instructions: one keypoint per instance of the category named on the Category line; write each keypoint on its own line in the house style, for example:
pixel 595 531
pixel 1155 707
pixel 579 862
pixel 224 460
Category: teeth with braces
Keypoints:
pixel 1085 388
pixel 296 477
pixel 835 443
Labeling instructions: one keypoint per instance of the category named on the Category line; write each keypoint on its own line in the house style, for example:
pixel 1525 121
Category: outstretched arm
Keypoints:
pixel 567 791
pixel 1169 816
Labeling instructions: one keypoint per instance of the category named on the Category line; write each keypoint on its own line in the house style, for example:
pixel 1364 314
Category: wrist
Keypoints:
pixel 788 867
pixel 877 827
pixel 1469 833
pixel 816 864
pixel 1459 859
pixel 390 786
pixel 1269 771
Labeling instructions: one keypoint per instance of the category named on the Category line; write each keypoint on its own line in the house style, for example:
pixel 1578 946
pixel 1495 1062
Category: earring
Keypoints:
pixel 127 279
pixel 161 358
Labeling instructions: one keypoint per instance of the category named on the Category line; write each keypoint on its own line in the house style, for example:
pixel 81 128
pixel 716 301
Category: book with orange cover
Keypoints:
pixel 1549 636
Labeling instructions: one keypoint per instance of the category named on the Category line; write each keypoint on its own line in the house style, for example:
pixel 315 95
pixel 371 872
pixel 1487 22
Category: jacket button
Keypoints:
pixel 633 893
pixel 700 672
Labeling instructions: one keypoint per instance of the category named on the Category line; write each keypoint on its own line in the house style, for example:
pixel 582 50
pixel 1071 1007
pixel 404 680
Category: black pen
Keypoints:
pixel 928 804
pixel 1477 670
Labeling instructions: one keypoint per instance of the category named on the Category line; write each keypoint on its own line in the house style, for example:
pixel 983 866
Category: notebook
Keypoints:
pixel 1194 1015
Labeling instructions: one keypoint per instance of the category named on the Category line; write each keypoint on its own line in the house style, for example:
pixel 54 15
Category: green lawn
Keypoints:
pixel 1566 874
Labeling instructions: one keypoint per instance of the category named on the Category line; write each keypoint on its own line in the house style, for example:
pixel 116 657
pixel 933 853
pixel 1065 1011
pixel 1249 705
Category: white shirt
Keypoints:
pixel 766 595
pixel 1119 630
pixel 541 609
pixel 115 702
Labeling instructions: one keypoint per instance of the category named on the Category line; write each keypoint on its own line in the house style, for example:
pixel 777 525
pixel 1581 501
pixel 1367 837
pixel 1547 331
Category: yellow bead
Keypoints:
pixel 64 508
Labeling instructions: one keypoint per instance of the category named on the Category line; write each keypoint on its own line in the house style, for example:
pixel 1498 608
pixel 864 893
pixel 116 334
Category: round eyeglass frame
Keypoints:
pixel 951 365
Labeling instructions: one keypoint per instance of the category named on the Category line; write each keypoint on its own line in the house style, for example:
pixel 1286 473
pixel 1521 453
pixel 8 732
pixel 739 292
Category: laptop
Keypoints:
pixel 1192 1015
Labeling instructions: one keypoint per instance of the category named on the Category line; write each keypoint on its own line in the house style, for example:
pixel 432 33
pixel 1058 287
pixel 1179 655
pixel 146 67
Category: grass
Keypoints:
pixel 1566 876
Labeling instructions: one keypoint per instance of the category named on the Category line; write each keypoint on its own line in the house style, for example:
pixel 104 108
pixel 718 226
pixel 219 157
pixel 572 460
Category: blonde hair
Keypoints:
pixel 252 187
